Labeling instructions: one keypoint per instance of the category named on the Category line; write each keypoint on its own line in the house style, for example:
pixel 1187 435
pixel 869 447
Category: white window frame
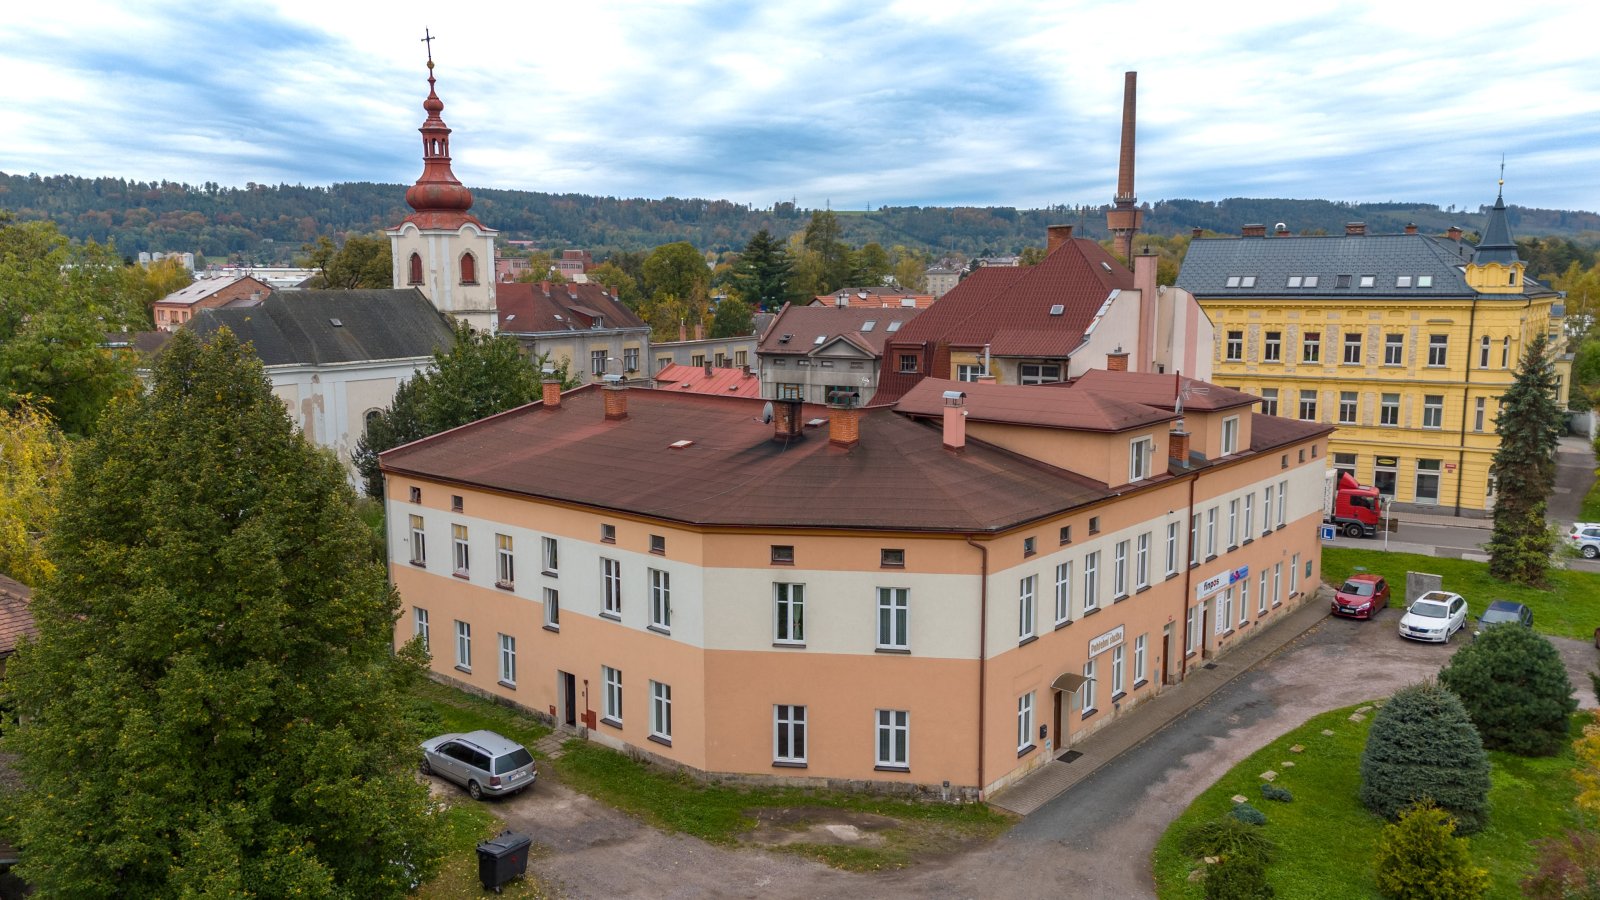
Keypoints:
pixel 1172 548
pixel 1027 608
pixel 1349 407
pixel 1225 611
pixel 1308 405
pixel 550 555
pixel 1141 561
pixel 505 561
pixel 1261 590
pixel 1139 659
pixel 894 618
pixel 461 550
pixel 1355 345
pixel 1194 617
pixel 1233 523
pixel 1091 581
pixel 1244 600
pixel 1269 401
pixel 1478 414
pixel 508 660
pixel 1277 584
pixel 1234 347
pixel 1266 510
pixel 1118 657
pixel 1483 353
pixel 1394 349
pixel 464 645
pixel 1063 592
pixel 1294 575
pixel 1025 722
pixel 1438 350
pixel 1249 516
pixel 1140 452
pixel 1230 435
pixel 892 747
pixel 661 711
pixel 419 624
pixel 789 722
pixel 1272 347
pixel 1311 347
pixel 611 587
pixel 1119 571
pixel 1211 532
pixel 789 613
pixel 552 608
pixel 419 542
pixel 1086 692
pixel 1283 501
pixel 660 599
pixel 611 694
pixel 1433 412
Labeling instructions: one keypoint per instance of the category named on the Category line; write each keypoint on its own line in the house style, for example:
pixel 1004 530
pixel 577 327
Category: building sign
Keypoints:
pixel 1221 580
pixel 1449 467
pixel 1104 642
pixel 1387 461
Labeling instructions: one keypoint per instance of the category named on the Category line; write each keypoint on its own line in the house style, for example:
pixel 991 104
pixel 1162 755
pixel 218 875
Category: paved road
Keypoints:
pixel 1575 466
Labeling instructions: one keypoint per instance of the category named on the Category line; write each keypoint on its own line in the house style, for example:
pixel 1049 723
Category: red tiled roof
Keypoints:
pixel 1081 408
pixel 1268 432
pixel 722 382
pixel 733 473
pixel 16 621
pixel 874 297
pixel 526 308
pixel 1161 391
pixel 804 324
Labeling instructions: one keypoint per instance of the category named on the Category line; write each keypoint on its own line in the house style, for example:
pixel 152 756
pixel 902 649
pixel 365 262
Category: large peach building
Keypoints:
pixel 945 593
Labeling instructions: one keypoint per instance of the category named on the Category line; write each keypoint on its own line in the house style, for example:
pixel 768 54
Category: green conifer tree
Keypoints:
pixel 1524 470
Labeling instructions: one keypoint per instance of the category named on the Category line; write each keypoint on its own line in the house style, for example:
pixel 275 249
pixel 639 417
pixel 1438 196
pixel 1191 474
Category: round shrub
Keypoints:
pixel 1226 836
pixel 1516 690
pixel 1238 878
pixel 1422 746
pixel 1248 814
pixel 1273 792
pixel 1420 858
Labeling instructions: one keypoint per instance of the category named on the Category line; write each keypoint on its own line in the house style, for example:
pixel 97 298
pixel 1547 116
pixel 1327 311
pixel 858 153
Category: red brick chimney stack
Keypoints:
pixel 1178 446
pixel 552 394
pixel 1454 233
pixel 616 402
pixel 1281 230
pixel 1355 229
pixel 1055 236
pixel 1253 231
pixel 1117 360
pixel 1411 228
pixel 844 425
pixel 1196 232
pixel 786 424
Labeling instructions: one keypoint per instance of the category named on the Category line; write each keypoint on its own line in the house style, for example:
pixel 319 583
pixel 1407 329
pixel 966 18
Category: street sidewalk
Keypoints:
pixel 1416 518
pixel 1204 679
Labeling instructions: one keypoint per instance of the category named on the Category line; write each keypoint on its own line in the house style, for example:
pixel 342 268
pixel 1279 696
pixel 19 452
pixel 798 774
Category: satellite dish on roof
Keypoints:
pixel 766 413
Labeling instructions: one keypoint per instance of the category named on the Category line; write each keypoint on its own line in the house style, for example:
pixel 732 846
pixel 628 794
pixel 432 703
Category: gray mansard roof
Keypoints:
pixel 329 327
pixel 1273 261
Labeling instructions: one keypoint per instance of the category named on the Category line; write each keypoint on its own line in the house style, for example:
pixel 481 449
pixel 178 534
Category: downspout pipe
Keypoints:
pixel 1466 388
pixel 1188 577
pixel 983 651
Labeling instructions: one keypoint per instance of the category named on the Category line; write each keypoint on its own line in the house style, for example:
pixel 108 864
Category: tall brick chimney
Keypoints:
pixel 955 420
pixel 1055 236
pixel 1125 217
pixel 1117 360
pixel 1178 446
pixel 616 397
pixel 844 425
pixel 786 424
pixel 552 394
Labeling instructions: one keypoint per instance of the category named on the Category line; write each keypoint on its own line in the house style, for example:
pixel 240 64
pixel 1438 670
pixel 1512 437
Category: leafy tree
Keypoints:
pixel 365 261
pixel 33 463
pixel 910 268
pixel 213 705
pixel 732 319
pixel 1524 469
pixel 823 237
pixel 1030 256
pixel 677 270
pixel 763 270
pixel 1420 858
pixel 482 374
pixel 618 282
pixel 1423 746
pixel 542 267
pixel 1514 686
pixel 870 265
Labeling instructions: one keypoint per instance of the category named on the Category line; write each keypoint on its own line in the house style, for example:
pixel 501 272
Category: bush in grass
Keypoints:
pixel 1568 868
pixel 1273 792
pixel 1420 858
pixel 1248 814
pixel 1237 878
pixel 1226 836
pixel 1515 689
pixel 1423 746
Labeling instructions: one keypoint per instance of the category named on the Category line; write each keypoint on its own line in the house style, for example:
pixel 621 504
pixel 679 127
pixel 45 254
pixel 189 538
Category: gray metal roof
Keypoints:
pixel 1497 245
pixel 327 327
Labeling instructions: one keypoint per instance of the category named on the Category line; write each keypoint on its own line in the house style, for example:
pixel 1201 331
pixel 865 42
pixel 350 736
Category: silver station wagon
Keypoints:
pixel 482 762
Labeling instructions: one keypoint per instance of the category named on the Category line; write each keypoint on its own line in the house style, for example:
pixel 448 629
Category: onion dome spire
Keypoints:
pixel 438 198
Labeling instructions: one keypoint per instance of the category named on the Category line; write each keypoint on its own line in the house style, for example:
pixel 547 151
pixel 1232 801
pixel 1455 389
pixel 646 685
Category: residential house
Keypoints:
pixel 874 298
pixel 583 326
pixel 737 352
pixel 574 264
pixel 820 353
pixel 941 279
pixel 180 306
pixel 938 596
pixel 708 379
pixel 16 620
pixel 1406 342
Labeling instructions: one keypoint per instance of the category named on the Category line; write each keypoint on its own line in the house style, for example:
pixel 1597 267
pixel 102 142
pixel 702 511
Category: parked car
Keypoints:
pixel 1501 612
pixel 481 761
pixel 1361 596
pixel 1585 536
pixel 1435 616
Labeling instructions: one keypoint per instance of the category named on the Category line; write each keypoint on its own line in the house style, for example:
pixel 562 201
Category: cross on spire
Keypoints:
pixel 427 38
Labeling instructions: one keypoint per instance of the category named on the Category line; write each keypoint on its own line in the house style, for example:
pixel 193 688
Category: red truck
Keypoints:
pixel 1353 508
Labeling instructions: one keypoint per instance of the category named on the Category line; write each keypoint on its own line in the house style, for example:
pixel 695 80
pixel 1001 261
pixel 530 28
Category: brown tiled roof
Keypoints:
pixel 804 324
pixel 875 297
pixel 1077 408
pixel 1268 432
pixel 722 382
pixel 16 621
pixel 898 477
pixel 529 308
pixel 1161 391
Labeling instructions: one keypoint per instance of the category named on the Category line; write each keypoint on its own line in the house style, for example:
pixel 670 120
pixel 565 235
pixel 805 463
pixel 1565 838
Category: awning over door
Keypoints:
pixel 1068 682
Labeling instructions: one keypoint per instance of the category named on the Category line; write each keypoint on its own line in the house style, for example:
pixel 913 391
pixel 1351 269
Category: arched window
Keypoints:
pixel 372 416
pixel 469 269
pixel 416 269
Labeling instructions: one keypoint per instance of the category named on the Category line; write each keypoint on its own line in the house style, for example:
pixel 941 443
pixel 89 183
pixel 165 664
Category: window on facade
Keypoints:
pixel 1119 571
pixel 1230 435
pixel 1066 534
pixel 1249 515
pixel 1294 567
pixel 1433 411
pixel 1478 414
pixel 1402 281
pixel 892 559
pixel 1368 280
pixel 551 555
pixel 1233 523
pixel 1438 349
pixel 1347 407
pixel 611 587
pixel 1389 410
pixel 1505 352
pixel 1283 501
pixel 460 554
pixel 661 599
pixel 1427 481
pixel 1063 592
pixel 419 542
pixel 741 358
pixel 1394 349
pixel 1141 561
pixel 1352 348
pixel 552 608
pixel 658 544
pixel 469 269
pixel 416 269
pixel 789 613
pixel 419 623
pixel 1244 600
pixel 1030 546
pixel 1139 454
pixel 783 554
pixel 611 702
pixel 1261 594
pixel 456 503
pixel 1266 509
pixel 1172 548
pixel 608 534
pixel 1235 346
pixel 908 362
pixel 1139 659
pixel 661 710
pixel 1308 404
pixel 969 373
pixel 698 360
pixel 1277 584
pixel 1225 610
pixel 1091 581
pixel 1194 539
pixel 789 734
pixel 789 391
pixel 1094 524
pixel 1192 628
pixel 1039 373
pixel 630 359
pixel 463 645
pixel 1311 347
pixel 1086 693
pixel 597 362
pixel 505 563
pixel 1345 462
pixel 1026 597
pixel 1424 281
pixel 1025 721
pixel 1269 401
pixel 894 618
pixel 1117 686
pixel 508 659
pixel 416 494
pixel 894 738
pixel 1483 352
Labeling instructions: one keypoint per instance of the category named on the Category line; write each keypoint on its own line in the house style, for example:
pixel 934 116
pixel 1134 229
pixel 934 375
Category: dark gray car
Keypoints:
pixel 1502 612
pixel 481 761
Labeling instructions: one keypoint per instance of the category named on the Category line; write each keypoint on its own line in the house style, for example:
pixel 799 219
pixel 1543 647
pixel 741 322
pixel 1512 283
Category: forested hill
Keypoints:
pixel 269 223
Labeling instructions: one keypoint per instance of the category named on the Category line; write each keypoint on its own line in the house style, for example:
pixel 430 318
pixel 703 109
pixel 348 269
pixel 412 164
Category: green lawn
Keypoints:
pixel 466 823
pixel 1591 504
pixel 446 709
pixel 1569 608
pixel 1326 838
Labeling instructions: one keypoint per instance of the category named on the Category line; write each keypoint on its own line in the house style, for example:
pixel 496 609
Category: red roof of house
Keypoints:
pixel 722 382
pixel 1079 409
pixel 796 329
pixel 539 308
pixel 16 621
pixel 1162 391
pixel 874 297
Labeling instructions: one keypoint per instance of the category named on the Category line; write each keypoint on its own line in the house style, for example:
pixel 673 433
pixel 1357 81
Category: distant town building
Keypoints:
pixel 874 298
pixel 941 279
pixel 511 268
pixel 707 379
pixel 582 326
pixel 146 258
pixel 699 350
pixel 574 263
pixel 180 306
pixel 279 278
pixel 826 354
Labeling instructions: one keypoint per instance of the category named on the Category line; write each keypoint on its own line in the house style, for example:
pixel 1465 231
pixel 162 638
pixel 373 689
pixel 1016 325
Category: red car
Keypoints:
pixel 1361 596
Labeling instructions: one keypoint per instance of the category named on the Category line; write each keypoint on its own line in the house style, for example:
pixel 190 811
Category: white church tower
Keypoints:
pixel 441 248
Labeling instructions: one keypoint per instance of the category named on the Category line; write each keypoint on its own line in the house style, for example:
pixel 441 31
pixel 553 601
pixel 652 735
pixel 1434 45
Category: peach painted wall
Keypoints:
pixel 1103 457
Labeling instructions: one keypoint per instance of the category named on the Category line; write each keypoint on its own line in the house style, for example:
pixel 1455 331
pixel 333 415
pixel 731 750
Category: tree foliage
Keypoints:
pixel 1514 687
pixel 823 238
pixel 365 261
pixel 732 319
pixel 33 464
pixel 1420 858
pixel 763 271
pixel 1524 469
pixel 1587 771
pixel 481 374
pixel 213 705
pixel 1423 746
pixel 620 283
pixel 1238 878
pixel 676 286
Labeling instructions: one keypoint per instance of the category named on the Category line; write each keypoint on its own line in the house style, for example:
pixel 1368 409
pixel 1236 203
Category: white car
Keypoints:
pixel 1434 616
pixel 1586 537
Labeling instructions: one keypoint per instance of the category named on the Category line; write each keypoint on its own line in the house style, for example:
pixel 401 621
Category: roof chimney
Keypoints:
pixel 1355 229
pixel 1196 231
pixel 544 288
pixel 708 370
pixel 1253 231
pixel 1281 230
pixel 683 331
pixel 1055 236
pixel 1454 233
pixel 786 424
pixel 844 424
pixel 1411 228
pixel 616 401
pixel 1117 360
pixel 1178 446
pixel 955 420
pixel 699 331
pixel 551 386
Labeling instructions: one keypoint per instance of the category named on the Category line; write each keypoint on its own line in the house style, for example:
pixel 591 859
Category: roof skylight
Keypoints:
pixel 1058 309
pixel 893 326
pixel 819 340
pixel 1424 281
pixel 868 325
pixel 1368 280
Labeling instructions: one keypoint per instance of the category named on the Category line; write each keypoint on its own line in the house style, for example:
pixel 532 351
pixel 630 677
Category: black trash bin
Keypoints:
pixel 503 858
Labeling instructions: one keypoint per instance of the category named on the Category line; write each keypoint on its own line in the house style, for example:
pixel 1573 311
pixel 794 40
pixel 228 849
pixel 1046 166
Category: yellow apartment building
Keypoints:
pixel 1404 342
pixel 937 596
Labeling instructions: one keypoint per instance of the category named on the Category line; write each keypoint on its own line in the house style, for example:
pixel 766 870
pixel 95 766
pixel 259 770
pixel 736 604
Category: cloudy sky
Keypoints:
pixel 855 104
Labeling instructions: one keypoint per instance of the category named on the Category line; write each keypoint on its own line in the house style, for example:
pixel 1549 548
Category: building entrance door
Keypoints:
pixel 567 687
